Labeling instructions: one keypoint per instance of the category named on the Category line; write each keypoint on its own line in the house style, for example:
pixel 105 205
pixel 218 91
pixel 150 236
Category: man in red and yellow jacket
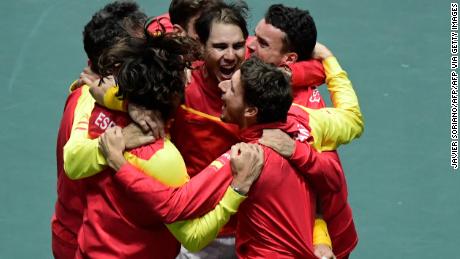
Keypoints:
pixel 68 215
pixel 114 225
pixel 271 224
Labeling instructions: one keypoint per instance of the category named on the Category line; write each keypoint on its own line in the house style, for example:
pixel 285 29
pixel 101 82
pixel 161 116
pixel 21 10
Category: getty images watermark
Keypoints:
pixel 454 85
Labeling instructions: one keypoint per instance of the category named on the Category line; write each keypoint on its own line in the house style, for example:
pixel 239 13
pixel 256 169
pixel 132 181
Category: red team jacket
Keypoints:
pixel 333 195
pixel 276 220
pixel 270 222
pixel 68 215
pixel 198 132
pixel 201 137
pixel 109 229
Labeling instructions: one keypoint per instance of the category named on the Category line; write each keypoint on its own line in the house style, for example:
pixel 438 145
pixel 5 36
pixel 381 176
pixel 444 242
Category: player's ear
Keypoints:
pixel 251 112
pixel 178 29
pixel 290 58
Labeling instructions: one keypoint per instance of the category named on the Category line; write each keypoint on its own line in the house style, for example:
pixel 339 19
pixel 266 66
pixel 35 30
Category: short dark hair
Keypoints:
pixel 181 11
pixel 150 71
pixel 233 13
pixel 299 27
pixel 113 22
pixel 267 88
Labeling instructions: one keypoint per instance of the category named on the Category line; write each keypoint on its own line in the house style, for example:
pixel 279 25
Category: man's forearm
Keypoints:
pixel 323 170
pixel 308 73
pixel 197 233
pixel 168 204
pixel 82 157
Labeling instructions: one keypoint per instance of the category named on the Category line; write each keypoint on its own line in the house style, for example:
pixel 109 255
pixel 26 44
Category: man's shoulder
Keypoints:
pixel 160 160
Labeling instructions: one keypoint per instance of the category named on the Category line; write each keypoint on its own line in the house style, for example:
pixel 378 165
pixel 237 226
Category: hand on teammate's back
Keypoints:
pixel 279 141
pixel 134 136
pixel 87 76
pixel 324 252
pixel 247 161
pixel 97 86
pixel 321 52
pixel 112 146
pixel 148 120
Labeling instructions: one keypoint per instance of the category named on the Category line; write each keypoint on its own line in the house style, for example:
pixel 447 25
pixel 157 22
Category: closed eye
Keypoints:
pixel 262 42
pixel 239 45
pixel 220 46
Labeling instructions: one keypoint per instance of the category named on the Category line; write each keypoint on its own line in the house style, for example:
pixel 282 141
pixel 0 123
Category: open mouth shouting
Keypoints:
pixel 226 72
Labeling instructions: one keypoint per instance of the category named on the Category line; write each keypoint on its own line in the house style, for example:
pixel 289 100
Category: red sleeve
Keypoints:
pixel 308 73
pixel 160 202
pixel 323 170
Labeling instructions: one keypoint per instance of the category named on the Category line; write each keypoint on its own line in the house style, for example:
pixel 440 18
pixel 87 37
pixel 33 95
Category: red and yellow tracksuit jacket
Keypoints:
pixel 198 132
pixel 326 129
pixel 68 215
pixel 270 221
pixel 330 127
pixel 114 225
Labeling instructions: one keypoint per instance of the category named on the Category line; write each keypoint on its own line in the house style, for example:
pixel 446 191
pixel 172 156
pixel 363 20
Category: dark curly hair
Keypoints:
pixel 150 71
pixel 181 11
pixel 233 13
pixel 267 88
pixel 299 27
pixel 115 21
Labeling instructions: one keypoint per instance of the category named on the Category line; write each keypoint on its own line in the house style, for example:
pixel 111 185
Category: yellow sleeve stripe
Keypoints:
pixel 202 114
pixel 320 233
pixel 73 86
pixel 217 164
pixel 195 234
pixel 112 102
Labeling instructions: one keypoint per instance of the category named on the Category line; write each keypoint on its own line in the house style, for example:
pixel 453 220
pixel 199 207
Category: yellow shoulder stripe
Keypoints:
pixel 202 114
pixel 166 165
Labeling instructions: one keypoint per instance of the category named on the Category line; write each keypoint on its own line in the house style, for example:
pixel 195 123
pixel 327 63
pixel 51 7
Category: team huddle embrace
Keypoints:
pixel 185 137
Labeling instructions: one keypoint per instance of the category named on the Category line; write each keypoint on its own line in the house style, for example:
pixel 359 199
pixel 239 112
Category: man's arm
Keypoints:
pixel 332 127
pixel 193 199
pixel 163 203
pixel 308 73
pixel 82 157
pixel 323 170
pixel 197 233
